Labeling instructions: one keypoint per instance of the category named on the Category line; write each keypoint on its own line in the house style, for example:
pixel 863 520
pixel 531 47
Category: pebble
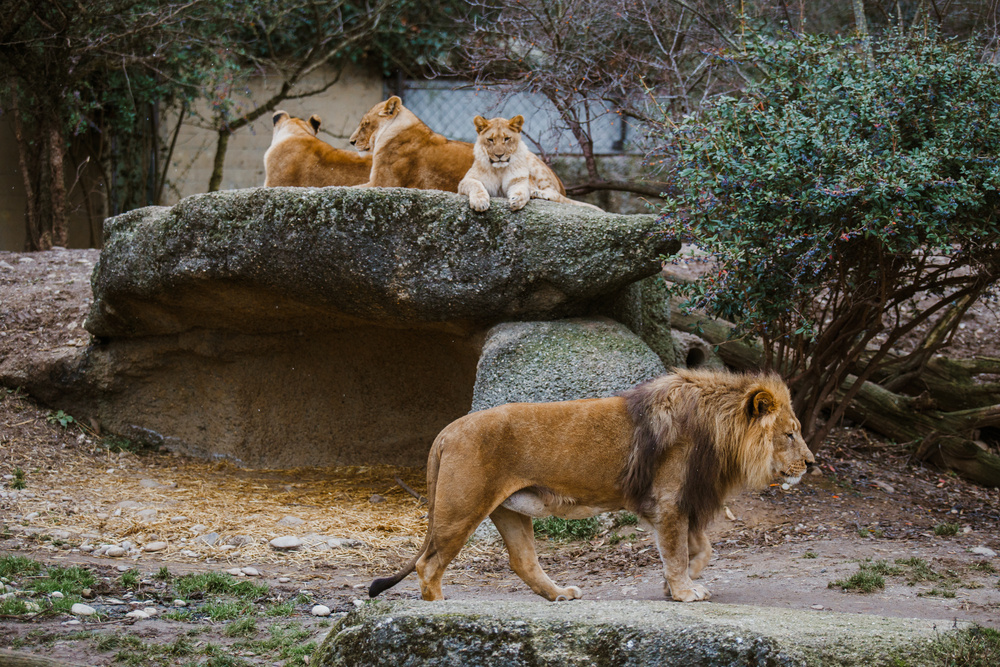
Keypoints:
pixel 290 521
pixel 984 551
pixel 236 572
pixel 155 546
pixel 72 621
pixel 286 542
pixel 80 609
pixel 178 519
pixel 123 568
pixel 115 552
pixel 151 611
pixel 320 610
pixel 189 553
pixel 147 515
pixel 283 580
pixel 137 613
pixel 376 499
pixel 57 595
pixel 208 538
pixel 250 571
pixel 180 603
pixel 817 607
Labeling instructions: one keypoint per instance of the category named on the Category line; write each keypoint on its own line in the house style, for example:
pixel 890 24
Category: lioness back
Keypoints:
pixel 408 154
pixel 298 158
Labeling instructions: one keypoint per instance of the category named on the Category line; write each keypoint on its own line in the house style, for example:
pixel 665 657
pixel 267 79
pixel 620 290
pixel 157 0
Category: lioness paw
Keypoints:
pixel 479 201
pixel 694 594
pixel 518 201
pixel 568 593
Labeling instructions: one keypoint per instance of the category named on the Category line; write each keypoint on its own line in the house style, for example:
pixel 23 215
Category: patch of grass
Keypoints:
pixel 567 529
pixel 225 611
pixel 936 593
pixel 130 579
pixel 869 577
pixel 13 566
pixel 983 566
pixel 67 580
pixel 13 607
pixel 18 482
pixel 973 647
pixel 286 642
pixel 133 652
pixel 245 627
pixel 177 615
pixel 219 583
pixel 163 574
pixel 810 554
pixel 919 570
pixel 946 529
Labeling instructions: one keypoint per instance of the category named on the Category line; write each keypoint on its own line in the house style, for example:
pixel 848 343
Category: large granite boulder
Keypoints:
pixel 286 327
pixel 589 633
pixel 534 362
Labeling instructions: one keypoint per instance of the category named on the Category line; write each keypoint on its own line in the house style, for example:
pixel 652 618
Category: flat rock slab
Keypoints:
pixel 275 259
pixel 619 634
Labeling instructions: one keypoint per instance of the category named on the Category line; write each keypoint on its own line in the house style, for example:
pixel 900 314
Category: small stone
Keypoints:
pixel 240 540
pixel 983 551
pixel 376 499
pixel 32 606
pixel 888 488
pixel 250 571
pixel 123 568
pixel 57 595
pixel 80 609
pixel 147 514
pixel 137 613
pixel 208 538
pixel 320 610
pixel 72 621
pixel 155 546
pixel 151 611
pixel 180 603
pixel 286 542
pixel 178 519
pixel 236 572
pixel 291 521
pixel 86 594
pixel 189 553
pixel 817 607
pixel 115 552
pixel 283 580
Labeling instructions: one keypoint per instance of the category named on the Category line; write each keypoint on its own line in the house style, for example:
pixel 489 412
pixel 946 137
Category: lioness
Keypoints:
pixel 297 157
pixel 505 167
pixel 408 154
pixel 670 450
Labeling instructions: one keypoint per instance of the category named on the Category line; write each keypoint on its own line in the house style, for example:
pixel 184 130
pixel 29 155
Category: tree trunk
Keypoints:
pixel 57 190
pixel 220 161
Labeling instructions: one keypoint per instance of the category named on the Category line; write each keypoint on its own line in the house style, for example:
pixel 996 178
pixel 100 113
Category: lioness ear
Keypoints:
pixel 480 123
pixel 760 403
pixel 516 123
pixel 391 107
pixel 315 121
pixel 279 116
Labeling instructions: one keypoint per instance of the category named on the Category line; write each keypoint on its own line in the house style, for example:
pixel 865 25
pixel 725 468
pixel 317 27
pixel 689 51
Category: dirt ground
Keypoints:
pixel 866 501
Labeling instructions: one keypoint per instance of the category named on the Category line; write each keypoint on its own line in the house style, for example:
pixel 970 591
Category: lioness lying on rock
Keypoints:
pixel 670 450
pixel 408 154
pixel 504 167
pixel 297 157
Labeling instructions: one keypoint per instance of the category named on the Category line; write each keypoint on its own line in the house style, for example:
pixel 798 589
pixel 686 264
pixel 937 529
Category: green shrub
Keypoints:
pixel 567 529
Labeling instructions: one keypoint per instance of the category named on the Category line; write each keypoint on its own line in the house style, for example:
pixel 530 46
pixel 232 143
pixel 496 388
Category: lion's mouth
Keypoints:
pixel 500 162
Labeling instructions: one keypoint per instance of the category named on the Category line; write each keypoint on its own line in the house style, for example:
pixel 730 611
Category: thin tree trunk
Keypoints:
pixel 861 25
pixel 60 228
pixel 33 235
pixel 220 161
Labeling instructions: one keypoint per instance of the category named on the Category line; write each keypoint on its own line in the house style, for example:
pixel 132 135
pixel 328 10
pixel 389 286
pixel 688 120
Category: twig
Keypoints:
pixel 410 491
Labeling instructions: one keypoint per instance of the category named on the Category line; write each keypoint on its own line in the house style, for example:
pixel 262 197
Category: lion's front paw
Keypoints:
pixel 518 201
pixel 694 594
pixel 479 201
pixel 568 593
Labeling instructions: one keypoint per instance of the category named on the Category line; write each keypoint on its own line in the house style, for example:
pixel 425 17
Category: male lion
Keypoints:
pixel 505 167
pixel 670 450
pixel 297 157
pixel 408 154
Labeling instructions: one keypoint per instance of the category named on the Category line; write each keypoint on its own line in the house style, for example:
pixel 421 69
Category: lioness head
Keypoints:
pixel 499 137
pixel 772 407
pixel 377 117
pixel 284 124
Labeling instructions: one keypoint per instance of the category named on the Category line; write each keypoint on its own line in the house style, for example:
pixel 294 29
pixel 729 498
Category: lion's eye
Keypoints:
pixel 791 436
pixel 506 139
pixel 490 140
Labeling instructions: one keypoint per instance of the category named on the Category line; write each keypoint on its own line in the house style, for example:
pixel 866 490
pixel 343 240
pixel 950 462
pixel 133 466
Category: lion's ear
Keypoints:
pixel 516 123
pixel 392 106
pixel 279 116
pixel 315 121
pixel 761 403
pixel 480 123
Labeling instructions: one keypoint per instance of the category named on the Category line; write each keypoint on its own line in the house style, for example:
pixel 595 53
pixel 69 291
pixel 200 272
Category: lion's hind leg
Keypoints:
pixel 448 534
pixel 699 552
pixel 519 537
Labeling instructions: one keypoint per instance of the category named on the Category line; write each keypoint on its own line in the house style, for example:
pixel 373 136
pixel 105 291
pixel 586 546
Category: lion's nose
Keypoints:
pixel 354 141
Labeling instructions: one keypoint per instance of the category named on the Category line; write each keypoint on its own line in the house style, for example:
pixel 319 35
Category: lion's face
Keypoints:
pixel 499 138
pixel 372 122
pixel 791 455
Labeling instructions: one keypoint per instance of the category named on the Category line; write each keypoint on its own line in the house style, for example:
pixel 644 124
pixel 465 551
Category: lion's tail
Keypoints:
pixel 385 583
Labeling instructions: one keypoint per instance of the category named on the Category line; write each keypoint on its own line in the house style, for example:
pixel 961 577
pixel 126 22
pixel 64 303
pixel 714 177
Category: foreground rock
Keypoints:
pixel 289 327
pixel 620 633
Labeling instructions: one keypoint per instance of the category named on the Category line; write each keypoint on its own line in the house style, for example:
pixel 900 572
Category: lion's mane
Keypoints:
pixel 717 417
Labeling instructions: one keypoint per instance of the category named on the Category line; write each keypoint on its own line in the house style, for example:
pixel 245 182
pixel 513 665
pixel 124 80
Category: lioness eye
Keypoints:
pixel 506 139
pixel 790 435
pixel 490 140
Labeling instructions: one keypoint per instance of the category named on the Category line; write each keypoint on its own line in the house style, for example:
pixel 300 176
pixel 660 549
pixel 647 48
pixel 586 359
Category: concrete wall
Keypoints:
pixel 191 164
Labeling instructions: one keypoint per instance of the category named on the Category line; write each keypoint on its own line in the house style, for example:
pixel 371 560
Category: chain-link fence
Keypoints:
pixel 448 107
